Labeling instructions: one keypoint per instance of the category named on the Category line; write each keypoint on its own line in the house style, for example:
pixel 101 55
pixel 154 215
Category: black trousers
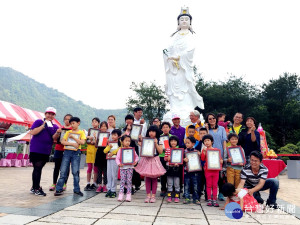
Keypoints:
pixel 163 178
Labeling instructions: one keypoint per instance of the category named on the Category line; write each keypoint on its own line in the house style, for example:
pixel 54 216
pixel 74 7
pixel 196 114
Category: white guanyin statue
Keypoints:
pixel 178 59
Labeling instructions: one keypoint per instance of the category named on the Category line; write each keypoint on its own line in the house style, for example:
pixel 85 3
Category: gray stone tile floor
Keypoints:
pixel 96 209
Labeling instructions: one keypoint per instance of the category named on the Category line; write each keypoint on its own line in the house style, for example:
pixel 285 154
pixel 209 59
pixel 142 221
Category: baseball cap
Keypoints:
pixel 51 110
pixel 175 116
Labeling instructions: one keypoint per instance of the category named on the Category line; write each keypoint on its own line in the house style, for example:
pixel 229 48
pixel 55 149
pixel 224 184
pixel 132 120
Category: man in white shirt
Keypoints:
pixel 138 113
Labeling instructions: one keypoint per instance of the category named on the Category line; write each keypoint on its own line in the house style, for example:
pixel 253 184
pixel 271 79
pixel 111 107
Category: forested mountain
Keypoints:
pixel 21 90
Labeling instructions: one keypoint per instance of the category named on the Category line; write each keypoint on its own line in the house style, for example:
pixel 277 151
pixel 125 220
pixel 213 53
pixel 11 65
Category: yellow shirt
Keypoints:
pixel 81 137
pixel 196 135
pixel 237 129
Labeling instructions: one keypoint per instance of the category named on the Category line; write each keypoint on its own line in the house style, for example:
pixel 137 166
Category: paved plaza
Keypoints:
pixel 18 206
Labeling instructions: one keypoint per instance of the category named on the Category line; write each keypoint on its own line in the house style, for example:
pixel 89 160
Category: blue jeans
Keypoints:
pixel 273 185
pixel 191 179
pixel 72 157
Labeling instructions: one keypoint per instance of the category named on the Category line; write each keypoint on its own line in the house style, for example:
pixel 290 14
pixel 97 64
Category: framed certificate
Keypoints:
pixel 176 156
pixel 164 141
pixel 62 134
pixel 213 159
pixel 127 156
pixel 71 140
pixel 94 133
pixel 148 147
pixel 102 139
pixel 115 146
pixel 136 130
pixel 193 164
pixel 236 154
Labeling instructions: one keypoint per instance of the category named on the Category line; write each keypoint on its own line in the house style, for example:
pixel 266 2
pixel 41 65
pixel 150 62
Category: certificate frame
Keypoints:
pixel 69 147
pixel 176 151
pixel 235 149
pixel 162 140
pixel 190 166
pixel 115 146
pixel 127 156
pixel 62 134
pixel 136 130
pixel 90 133
pixel 99 138
pixel 148 147
pixel 212 154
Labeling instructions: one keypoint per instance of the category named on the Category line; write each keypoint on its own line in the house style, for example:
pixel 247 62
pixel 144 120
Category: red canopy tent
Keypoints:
pixel 14 114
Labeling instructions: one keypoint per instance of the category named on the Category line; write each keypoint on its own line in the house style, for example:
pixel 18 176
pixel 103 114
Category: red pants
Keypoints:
pixel 212 178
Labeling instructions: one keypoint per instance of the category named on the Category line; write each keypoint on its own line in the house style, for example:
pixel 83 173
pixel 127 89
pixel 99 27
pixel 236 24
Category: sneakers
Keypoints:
pixel 153 200
pixel 32 191
pixel 147 199
pixel 137 188
pixel 186 201
pixel 93 187
pixel 99 189
pixel 176 200
pixel 108 194
pixel 128 197
pixel 78 193
pixel 113 194
pixel 64 187
pixel 197 202
pixel 221 197
pixel 272 205
pixel 87 187
pixel 215 203
pixel 209 202
pixel 169 200
pixel 40 192
pixel 104 189
pixel 57 193
pixel 121 196
pixel 52 187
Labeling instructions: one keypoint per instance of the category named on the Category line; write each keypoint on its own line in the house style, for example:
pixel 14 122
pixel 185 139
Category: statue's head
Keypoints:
pixel 184 20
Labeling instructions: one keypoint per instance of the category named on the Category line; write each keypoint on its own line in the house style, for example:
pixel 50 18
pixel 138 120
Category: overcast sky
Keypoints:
pixel 93 50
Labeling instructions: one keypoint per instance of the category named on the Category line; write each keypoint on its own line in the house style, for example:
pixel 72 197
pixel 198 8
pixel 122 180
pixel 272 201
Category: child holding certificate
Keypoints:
pixel 72 141
pixel 190 178
pixel 101 163
pixel 90 158
pixel 173 172
pixel 126 171
pixel 151 167
pixel 112 167
pixel 211 175
pixel 234 171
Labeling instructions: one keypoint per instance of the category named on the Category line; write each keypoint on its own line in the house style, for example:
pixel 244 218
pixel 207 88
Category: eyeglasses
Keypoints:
pixel 155 121
pixel 211 118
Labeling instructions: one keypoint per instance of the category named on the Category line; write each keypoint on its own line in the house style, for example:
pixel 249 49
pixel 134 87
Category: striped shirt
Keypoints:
pixel 251 179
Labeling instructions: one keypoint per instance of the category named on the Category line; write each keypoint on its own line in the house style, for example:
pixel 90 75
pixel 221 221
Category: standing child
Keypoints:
pixel 58 155
pixel 126 171
pixel 90 158
pixel 173 171
pixel 190 177
pixel 165 127
pixel 151 167
pixel 233 171
pixel 212 176
pixel 71 156
pixel 112 167
pixel 101 163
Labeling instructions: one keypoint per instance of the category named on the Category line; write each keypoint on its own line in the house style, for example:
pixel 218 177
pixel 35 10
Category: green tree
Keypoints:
pixel 281 99
pixel 150 97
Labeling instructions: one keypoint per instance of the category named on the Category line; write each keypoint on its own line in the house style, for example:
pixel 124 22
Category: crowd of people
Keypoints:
pixel 240 182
